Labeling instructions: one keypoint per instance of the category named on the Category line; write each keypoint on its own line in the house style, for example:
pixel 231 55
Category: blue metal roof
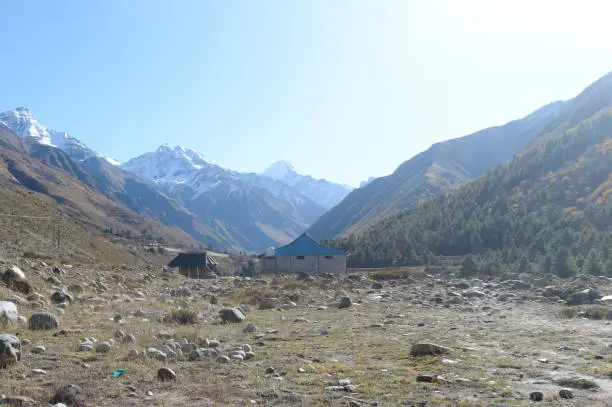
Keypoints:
pixel 305 245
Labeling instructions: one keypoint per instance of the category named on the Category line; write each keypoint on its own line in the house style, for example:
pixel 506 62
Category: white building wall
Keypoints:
pixel 307 264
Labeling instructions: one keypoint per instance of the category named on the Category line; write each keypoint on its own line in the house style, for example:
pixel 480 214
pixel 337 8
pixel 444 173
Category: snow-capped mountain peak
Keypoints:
pixel 280 170
pixel 23 123
pixel 323 192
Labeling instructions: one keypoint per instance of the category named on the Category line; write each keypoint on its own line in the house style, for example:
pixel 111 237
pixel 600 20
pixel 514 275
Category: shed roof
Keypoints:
pixel 305 245
pixel 192 260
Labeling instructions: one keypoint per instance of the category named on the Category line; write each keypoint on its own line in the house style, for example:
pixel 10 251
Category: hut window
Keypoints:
pixel 329 257
pixel 300 257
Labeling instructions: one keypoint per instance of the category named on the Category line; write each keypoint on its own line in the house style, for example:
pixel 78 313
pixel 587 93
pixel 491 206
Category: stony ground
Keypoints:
pixel 505 341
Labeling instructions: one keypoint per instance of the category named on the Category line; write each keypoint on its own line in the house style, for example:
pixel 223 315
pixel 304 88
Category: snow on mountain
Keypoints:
pixel 280 170
pixel 169 165
pixel 21 122
pixel 325 193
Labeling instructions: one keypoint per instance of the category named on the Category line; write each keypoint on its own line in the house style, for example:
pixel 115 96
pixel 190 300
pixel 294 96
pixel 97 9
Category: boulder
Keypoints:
pixel 70 395
pixel 424 349
pixel 345 302
pixel 302 276
pixel 59 297
pixel 165 374
pixel 8 312
pixel 103 347
pixel 231 315
pixel 16 280
pixel 10 350
pixel 42 321
pixel 583 297
pixel 269 303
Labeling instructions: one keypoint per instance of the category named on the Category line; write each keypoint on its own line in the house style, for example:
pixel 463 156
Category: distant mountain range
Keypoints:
pixel 180 188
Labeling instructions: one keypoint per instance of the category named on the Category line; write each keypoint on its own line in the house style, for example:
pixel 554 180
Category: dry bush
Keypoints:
pixel 183 316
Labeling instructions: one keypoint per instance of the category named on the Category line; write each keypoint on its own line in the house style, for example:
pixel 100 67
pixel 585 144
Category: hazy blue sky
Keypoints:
pixel 342 89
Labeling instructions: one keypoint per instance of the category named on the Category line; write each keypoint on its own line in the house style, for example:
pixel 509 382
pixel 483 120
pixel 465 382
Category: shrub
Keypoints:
pixel 578 383
pixel 183 316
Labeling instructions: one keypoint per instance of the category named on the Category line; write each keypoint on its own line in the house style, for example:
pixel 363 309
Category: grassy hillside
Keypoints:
pixel 53 185
pixel 550 207
pixel 435 171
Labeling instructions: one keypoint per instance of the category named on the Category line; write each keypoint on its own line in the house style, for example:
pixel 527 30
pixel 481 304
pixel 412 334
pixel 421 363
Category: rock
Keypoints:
pixel 269 303
pixel 103 347
pixel 69 395
pixel 39 349
pixel 345 302
pixel 75 288
pixel 583 297
pixel 536 396
pixel 566 394
pixel 8 312
pixel 213 300
pixel 377 286
pixel 249 355
pixel 10 350
pixel 85 347
pixel 302 276
pixel 426 378
pixel 223 359
pixel 42 321
pixel 165 374
pixel 423 349
pixel 58 270
pixel 157 354
pixel 473 294
pixel 59 297
pixel 231 315
pixel 301 370
pixel 119 334
pixel 463 285
pixel 455 301
pixel 39 371
pixel 16 280
pixel 250 328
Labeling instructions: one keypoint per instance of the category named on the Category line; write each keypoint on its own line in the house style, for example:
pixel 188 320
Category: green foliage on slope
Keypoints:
pixel 551 207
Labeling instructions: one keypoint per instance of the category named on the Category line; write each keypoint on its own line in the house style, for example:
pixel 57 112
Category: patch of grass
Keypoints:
pixel 183 316
pixel 577 383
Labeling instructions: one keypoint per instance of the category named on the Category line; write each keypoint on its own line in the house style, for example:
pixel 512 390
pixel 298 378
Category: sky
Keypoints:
pixel 343 89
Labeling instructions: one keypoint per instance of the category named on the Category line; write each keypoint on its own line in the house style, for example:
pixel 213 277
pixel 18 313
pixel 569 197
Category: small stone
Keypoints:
pixel 165 374
pixel 426 378
pixel 269 303
pixel 129 339
pixel 301 370
pixel 103 347
pixel 247 348
pixel 536 396
pixel 566 394
pixel 250 328
pixel 269 370
pixel 424 349
pixel 345 302
pixel 223 359
pixel 38 349
pixel 344 382
pixel 119 334
pixel 39 371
